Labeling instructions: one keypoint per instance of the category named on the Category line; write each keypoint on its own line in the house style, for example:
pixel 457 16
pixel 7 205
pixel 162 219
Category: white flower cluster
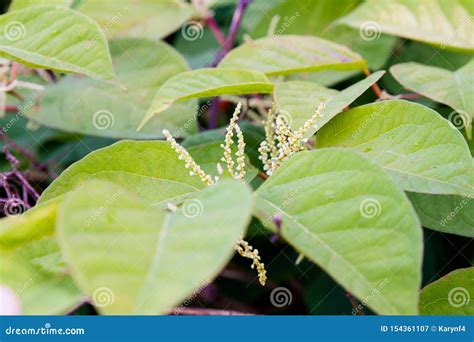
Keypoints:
pixel 239 172
pixel 281 142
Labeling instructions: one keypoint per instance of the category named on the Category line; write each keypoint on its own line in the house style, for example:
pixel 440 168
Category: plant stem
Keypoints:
pixel 226 46
pixel 234 28
pixel 208 312
pixel 214 27
pixel 213 113
pixel 355 304
pixel 409 96
pixel 375 86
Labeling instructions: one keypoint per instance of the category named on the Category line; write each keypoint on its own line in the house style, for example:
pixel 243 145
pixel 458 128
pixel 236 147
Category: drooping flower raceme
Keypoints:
pixel 242 246
pixel 281 142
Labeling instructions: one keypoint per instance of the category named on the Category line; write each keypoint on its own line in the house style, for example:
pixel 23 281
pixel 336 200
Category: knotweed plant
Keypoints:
pixel 242 246
pixel 281 142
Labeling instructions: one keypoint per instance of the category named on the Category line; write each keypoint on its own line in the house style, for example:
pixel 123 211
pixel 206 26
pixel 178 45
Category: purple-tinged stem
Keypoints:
pixel 214 27
pixel 227 45
pixel 234 28
pixel 213 113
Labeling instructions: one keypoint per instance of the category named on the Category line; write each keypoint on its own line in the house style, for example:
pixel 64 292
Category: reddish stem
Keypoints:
pixel 214 27
pixel 409 96
pixel 375 86
pixel 207 312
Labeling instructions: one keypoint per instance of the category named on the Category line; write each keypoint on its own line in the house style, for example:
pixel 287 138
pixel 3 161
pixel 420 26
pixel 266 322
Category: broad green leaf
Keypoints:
pixel 299 99
pixel 314 17
pixel 147 260
pixel 31 236
pixel 443 23
pixel 345 214
pixel 149 168
pixel 285 55
pixel 445 213
pixel 96 108
pixel 416 146
pixel 453 294
pixel 205 83
pixel 22 4
pixel 154 19
pixel 455 89
pixel 56 38
pixel 34 224
pixel 39 293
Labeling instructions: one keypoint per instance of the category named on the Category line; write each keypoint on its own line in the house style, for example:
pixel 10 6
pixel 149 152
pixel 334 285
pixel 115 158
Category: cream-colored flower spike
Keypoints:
pixel 239 171
pixel 287 142
pixel 189 161
pixel 247 251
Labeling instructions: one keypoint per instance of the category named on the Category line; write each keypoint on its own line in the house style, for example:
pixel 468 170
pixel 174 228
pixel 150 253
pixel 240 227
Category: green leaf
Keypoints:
pixel 205 83
pixel 299 99
pixel 141 18
pixel 56 38
pixel 96 108
pixel 141 166
pixel 34 224
pixel 416 146
pixel 285 55
pixel 454 89
pixel 315 17
pixel 22 4
pixel 442 23
pixel 451 295
pixel 445 213
pixel 39 293
pixel 345 214
pixel 145 259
